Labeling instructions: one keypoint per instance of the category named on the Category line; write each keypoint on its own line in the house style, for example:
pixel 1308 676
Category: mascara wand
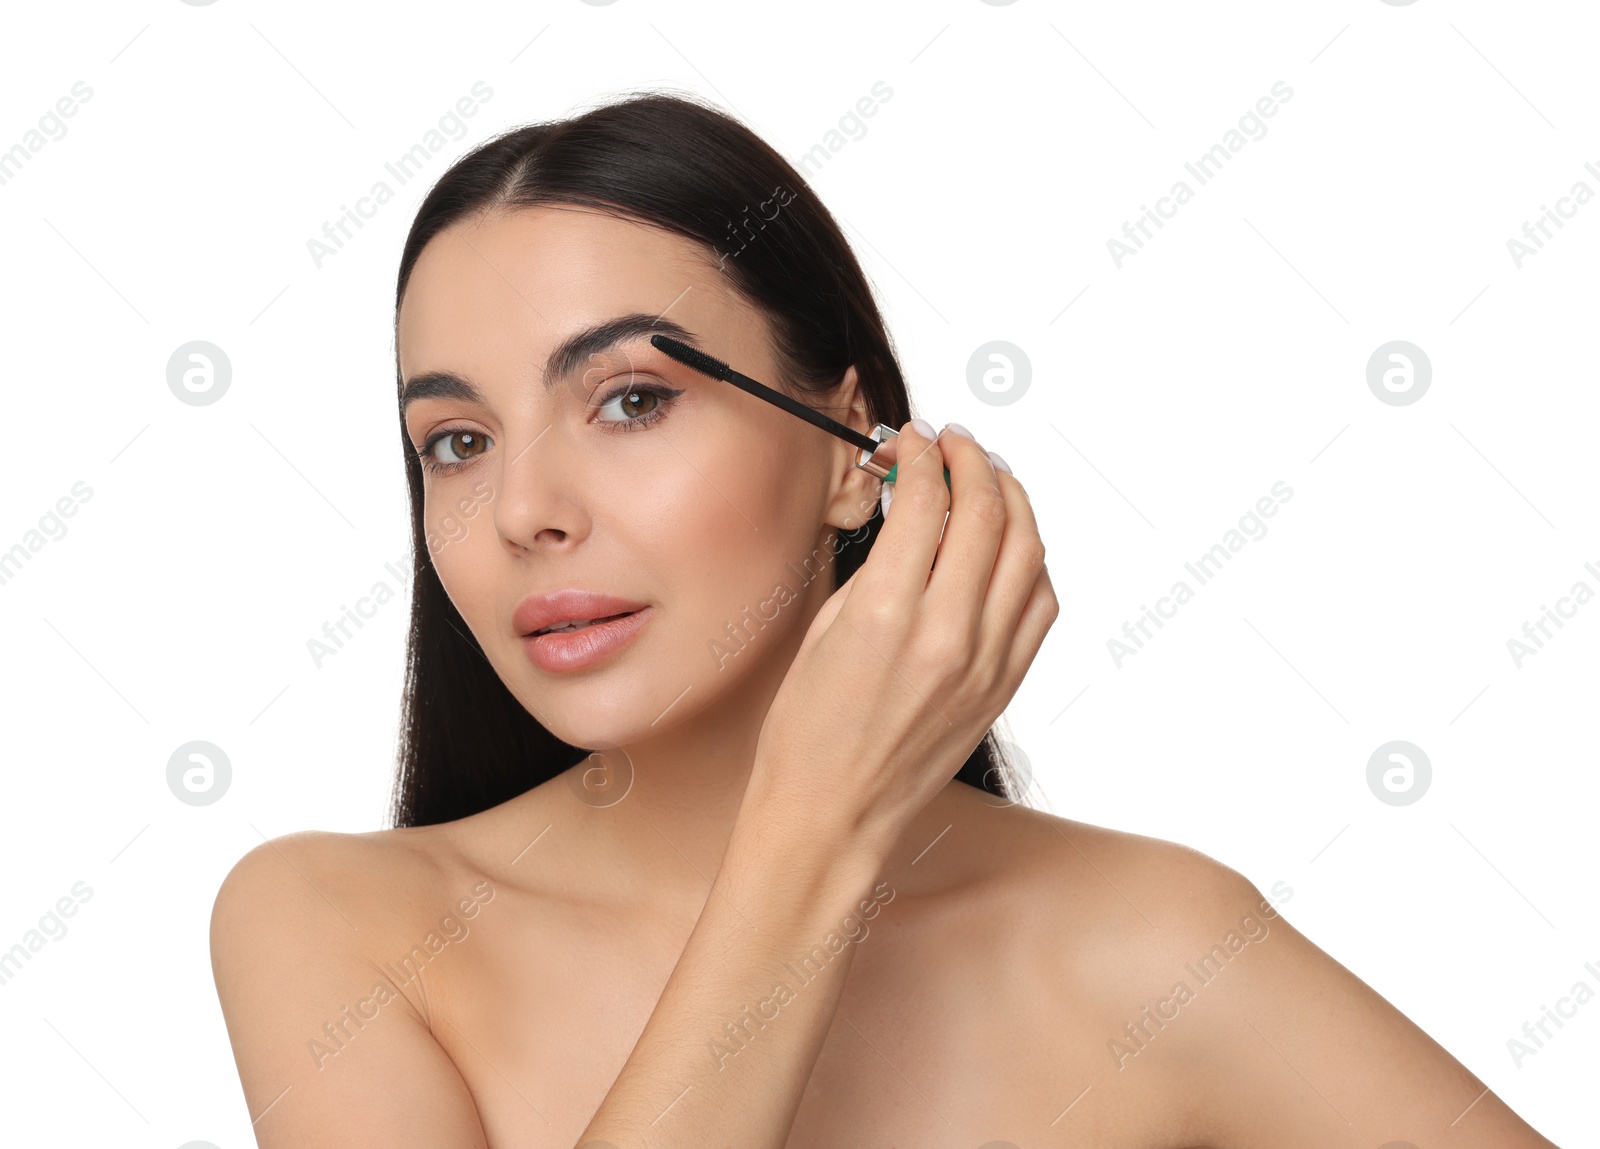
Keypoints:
pixel 867 445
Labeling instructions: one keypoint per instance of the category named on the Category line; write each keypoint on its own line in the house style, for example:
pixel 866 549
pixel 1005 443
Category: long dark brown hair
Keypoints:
pixel 466 744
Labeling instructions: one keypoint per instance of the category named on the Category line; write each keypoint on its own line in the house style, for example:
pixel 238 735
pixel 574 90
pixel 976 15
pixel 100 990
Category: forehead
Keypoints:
pixel 512 282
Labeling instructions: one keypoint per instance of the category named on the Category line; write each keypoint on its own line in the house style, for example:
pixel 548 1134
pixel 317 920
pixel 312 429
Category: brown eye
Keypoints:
pixel 634 400
pixel 639 405
pixel 464 447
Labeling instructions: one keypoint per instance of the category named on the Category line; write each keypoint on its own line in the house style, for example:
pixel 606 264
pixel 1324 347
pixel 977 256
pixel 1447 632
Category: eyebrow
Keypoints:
pixel 574 351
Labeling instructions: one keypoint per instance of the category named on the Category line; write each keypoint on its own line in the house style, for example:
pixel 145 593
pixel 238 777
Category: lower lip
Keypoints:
pixel 575 650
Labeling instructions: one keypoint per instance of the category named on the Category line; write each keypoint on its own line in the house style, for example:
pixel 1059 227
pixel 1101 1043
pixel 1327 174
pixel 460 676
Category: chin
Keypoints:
pixel 617 712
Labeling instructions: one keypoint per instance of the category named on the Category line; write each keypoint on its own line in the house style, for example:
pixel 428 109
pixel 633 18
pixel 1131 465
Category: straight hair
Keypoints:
pixel 671 162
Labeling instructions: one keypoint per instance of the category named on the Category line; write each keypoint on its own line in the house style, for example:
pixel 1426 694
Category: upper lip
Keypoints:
pixel 538 611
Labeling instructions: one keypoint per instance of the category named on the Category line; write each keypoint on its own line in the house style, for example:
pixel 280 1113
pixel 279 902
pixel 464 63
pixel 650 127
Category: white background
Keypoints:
pixel 1166 398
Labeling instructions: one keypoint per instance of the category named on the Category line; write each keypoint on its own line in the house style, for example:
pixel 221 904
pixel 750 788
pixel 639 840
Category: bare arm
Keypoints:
pixel 330 1055
pixel 896 680
pixel 727 1053
pixel 1296 1049
pixel 898 677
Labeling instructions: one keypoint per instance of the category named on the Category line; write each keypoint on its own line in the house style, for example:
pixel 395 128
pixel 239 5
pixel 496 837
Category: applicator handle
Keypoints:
pixel 881 434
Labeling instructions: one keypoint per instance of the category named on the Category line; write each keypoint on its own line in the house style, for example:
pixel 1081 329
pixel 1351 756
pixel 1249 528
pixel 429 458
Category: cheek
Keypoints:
pixel 454 511
pixel 456 542
pixel 686 526
pixel 717 538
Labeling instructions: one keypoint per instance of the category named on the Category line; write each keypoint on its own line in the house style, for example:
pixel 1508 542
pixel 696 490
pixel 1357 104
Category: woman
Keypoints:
pixel 790 898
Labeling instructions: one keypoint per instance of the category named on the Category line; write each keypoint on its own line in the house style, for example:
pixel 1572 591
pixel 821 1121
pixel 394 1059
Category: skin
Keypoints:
pixel 1009 949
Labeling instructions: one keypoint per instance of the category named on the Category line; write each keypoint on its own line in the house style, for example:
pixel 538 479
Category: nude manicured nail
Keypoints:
pixel 885 497
pixel 999 463
pixel 923 428
pixel 958 429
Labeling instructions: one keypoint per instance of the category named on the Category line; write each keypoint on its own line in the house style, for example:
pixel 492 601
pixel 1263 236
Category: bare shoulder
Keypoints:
pixel 333 1047
pixel 1128 881
pixel 1178 973
pixel 316 879
pixel 1105 917
pixel 351 900
pixel 1128 919
pixel 370 889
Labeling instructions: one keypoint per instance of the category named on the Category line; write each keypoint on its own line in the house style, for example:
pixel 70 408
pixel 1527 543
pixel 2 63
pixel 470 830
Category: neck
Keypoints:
pixel 668 831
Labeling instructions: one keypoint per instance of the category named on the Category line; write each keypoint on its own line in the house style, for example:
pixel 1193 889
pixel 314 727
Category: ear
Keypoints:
pixel 854 496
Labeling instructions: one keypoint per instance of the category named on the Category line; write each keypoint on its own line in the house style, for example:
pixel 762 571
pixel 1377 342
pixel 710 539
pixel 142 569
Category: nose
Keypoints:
pixel 539 501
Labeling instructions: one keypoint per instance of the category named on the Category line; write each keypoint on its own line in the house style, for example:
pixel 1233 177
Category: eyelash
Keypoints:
pixel 665 394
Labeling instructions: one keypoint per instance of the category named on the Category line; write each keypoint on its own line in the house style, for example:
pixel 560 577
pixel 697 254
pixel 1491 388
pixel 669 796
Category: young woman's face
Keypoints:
pixel 621 471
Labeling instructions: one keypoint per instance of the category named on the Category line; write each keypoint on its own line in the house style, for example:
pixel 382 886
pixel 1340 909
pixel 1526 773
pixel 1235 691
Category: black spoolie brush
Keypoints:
pixel 716 369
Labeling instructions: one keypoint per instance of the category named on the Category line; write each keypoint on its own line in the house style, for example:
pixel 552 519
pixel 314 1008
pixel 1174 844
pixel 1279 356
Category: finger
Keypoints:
pixel 1016 571
pixel 1037 617
pixel 897 568
pixel 972 536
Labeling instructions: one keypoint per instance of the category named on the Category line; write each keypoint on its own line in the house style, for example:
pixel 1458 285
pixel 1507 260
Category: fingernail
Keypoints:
pixel 923 428
pixel 999 463
pixel 885 497
pixel 958 429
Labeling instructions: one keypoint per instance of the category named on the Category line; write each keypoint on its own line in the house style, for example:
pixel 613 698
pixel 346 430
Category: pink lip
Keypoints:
pixel 583 648
pixel 538 611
